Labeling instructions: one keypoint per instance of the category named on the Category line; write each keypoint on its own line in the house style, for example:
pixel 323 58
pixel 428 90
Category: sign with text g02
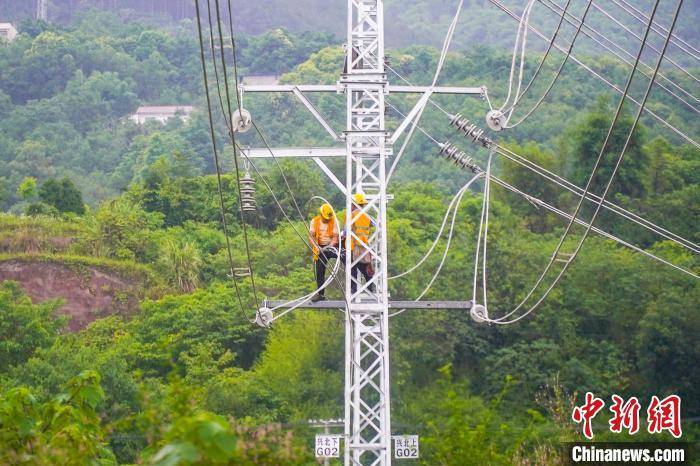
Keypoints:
pixel 327 446
pixel 406 447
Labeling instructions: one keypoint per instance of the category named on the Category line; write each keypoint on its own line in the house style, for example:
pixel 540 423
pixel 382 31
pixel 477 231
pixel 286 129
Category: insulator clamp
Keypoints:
pixel 247 184
pixel 241 121
pixel 459 157
pixel 264 316
pixel 479 313
pixel 470 130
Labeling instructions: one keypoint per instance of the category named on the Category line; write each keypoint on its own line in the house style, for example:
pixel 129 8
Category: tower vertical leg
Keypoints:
pixel 367 389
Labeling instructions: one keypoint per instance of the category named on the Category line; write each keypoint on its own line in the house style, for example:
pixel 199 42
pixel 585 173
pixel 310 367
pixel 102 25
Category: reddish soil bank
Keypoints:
pixel 87 292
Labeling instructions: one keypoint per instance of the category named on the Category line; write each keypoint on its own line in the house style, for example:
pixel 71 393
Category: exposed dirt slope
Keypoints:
pixel 88 291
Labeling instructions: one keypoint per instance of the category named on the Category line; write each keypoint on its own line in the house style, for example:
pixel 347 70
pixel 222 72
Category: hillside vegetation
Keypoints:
pixel 183 377
pixel 66 96
pixel 421 22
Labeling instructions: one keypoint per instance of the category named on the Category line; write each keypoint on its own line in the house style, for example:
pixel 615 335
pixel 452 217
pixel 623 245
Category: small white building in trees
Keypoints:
pixel 7 32
pixel 161 113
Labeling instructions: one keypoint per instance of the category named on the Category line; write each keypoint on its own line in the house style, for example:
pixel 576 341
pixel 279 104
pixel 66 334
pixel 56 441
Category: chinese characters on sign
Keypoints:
pixel 587 412
pixel 662 415
pixel 327 446
pixel 625 414
pixel 665 415
pixel 406 446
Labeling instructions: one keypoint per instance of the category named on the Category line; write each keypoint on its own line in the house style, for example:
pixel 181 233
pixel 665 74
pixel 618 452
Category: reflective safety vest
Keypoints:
pixel 361 224
pixel 316 232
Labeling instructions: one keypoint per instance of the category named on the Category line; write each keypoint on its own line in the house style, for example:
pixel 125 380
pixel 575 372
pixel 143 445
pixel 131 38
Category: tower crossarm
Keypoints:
pixel 367 144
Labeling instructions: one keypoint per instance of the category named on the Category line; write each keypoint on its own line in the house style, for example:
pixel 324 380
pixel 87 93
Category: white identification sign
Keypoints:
pixel 406 446
pixel 327 446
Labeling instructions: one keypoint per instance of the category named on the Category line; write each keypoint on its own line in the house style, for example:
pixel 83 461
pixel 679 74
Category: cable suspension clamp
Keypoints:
pixel 478 312
pixel 496 120
pixel 459 157
pixel 470 130
pixel 264 316
pixel 241 120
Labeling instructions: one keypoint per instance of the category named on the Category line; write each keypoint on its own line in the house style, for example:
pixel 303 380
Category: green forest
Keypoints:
pixel 416 22
pixel 123 341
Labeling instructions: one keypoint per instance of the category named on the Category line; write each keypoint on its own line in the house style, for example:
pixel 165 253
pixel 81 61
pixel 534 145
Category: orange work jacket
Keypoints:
pixel 316 232
pixel 361 224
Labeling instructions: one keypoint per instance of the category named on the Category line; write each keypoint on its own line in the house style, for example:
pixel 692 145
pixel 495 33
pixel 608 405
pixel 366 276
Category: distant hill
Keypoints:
pixel 420 22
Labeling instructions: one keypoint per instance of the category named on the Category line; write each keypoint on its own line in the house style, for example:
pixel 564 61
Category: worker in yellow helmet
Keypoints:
pixel 361 227
pixel 323 236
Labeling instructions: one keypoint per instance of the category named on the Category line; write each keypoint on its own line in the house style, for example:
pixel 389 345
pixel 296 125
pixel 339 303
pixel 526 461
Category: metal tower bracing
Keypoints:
pixel 367 148
pixel 367 394
pixel 41 10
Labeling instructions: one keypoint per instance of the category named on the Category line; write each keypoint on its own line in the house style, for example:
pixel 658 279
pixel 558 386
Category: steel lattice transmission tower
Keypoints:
pixel 41 10
pixel 367 390
pixel 367 146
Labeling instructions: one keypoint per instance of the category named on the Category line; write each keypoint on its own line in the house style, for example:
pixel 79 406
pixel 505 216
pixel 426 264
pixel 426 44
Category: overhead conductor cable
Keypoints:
pixel 539 203
pixel 680 133
pixel 621 49
pixel 571 257
pixel 590 197
pixel 233 144
pixel 269 149
pixel 539 67
pixel 556 75
pixel 441 62
pixel 240 151
pixel 659 29
pixel 459 122
pixel 216 163
pixel 454 208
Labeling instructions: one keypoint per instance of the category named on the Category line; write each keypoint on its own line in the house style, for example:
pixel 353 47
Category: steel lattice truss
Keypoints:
pixel 366 148
pixel 367 404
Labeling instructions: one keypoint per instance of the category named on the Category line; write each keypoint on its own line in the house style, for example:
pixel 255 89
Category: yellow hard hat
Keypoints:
pixel 359 199
pixel 326 211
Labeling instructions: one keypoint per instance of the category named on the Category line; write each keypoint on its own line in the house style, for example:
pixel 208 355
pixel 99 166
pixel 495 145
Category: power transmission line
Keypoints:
pixel 439 233
pixel 651 46
pixel 267 145
pixel 233 144
pixel 483 230
pixel 572 257
pixel 624 5
pixel 544 58
pixel 557 74
pixel 520 43
pixel 453 208
pixel 538 202
pixel 438 69
pixel 260 175
pixel 564 183
pixel 237 147
pixel 216 163
pixel 503 8
pixel 549 4
pixel 255 126
pixel 535 200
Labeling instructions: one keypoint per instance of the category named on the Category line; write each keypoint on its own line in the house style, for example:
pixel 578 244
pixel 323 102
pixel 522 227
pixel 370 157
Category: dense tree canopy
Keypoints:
pixel 187 379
